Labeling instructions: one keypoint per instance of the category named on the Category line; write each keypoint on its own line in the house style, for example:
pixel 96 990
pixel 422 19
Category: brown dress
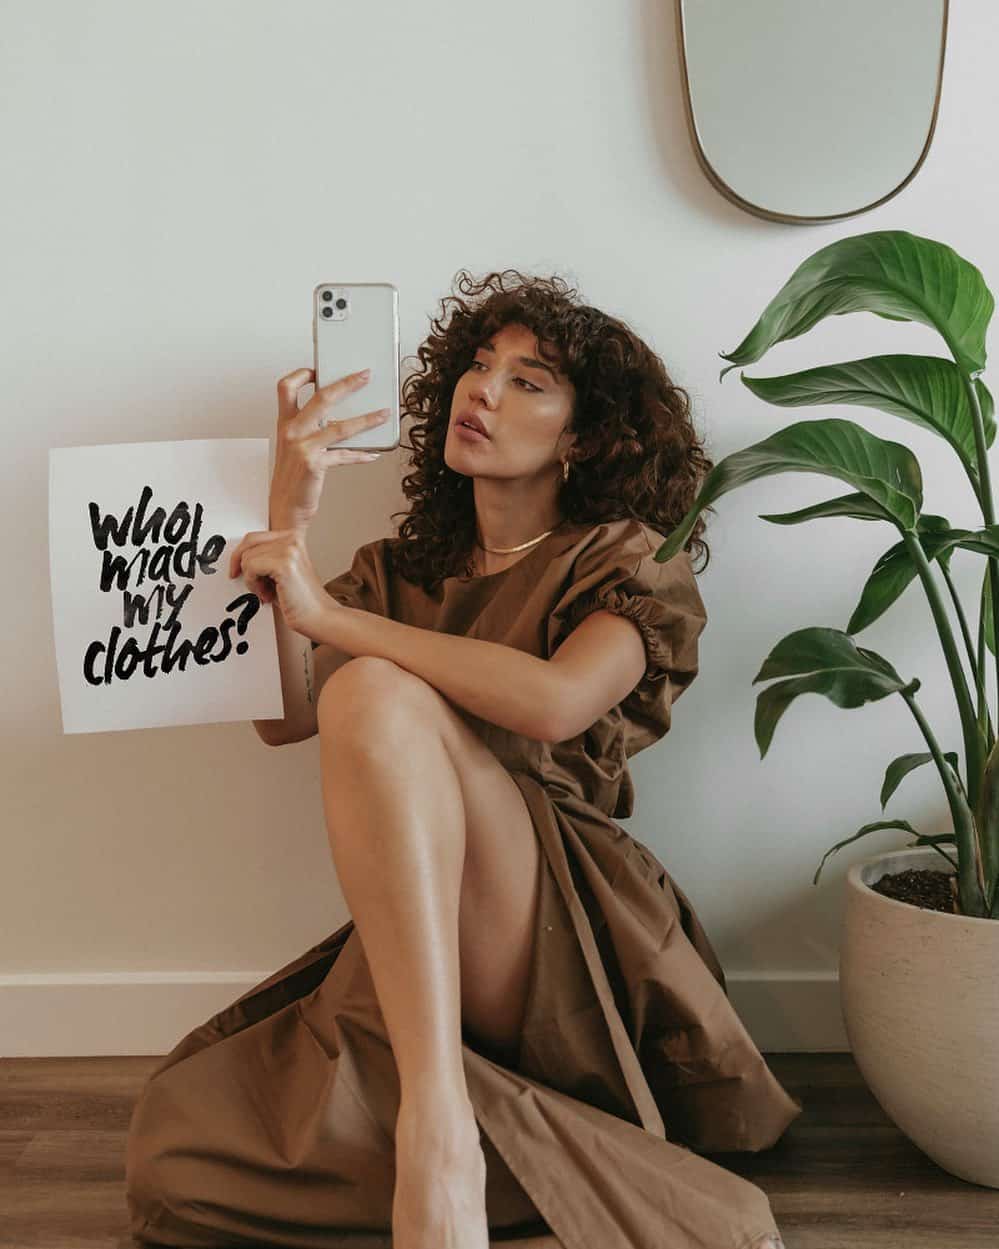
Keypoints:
pixel 273 1122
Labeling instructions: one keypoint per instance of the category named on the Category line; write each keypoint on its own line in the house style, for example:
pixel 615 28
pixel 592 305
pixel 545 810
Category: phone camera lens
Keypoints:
pixel 341 303
pixel 327 295
pixel 327 312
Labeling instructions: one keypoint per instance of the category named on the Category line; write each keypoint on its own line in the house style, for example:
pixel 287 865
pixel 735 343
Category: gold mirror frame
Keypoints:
pixel 768 214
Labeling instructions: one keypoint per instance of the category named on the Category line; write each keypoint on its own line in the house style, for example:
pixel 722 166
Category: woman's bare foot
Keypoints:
pixel 440 1184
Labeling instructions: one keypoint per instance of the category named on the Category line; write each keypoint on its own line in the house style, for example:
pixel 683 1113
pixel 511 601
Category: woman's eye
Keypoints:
pixel 518 379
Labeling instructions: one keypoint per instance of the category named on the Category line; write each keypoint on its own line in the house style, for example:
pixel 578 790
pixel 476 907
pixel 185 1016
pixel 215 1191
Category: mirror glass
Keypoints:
pixel 810 110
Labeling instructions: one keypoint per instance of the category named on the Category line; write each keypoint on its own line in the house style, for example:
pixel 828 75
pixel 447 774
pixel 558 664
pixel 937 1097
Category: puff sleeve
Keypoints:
pixel 365 583
pixel 617 572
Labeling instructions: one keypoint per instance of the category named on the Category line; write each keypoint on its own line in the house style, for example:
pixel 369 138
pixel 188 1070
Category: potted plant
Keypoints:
pixel 920 947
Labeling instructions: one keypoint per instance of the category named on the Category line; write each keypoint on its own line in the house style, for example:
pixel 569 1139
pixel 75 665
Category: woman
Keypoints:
pixel 524 1027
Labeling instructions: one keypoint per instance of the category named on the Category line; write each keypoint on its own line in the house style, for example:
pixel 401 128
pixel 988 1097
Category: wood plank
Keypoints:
pixel 842 1177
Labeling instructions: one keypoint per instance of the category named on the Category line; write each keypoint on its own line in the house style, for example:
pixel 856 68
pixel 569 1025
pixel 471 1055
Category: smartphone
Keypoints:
pixel 355 325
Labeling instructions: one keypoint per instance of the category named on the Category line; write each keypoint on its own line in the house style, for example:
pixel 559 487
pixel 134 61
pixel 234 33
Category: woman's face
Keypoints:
pixel 523 406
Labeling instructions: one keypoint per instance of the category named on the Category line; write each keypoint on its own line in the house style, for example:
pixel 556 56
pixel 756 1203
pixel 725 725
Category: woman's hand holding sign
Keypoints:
pixel 275 562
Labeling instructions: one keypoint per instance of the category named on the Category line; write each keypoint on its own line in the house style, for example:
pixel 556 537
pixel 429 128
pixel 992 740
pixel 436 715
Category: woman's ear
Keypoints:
pixel 567 444
pixel 576 449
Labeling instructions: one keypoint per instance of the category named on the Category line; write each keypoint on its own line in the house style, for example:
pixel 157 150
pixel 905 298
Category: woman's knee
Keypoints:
pixel 370 698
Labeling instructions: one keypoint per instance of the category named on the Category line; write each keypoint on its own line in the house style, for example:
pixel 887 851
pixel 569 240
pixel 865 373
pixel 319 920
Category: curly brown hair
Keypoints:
pixel 637 453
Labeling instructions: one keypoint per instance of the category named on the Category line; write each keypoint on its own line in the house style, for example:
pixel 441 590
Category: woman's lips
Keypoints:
pixel 466 431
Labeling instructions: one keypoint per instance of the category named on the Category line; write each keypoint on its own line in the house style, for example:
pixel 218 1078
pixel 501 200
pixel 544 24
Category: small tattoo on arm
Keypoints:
pixel 308 676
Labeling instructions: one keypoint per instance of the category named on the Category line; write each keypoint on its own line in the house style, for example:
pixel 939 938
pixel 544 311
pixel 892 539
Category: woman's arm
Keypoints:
pixel 594 669
pixel 498 683
pixel 303 673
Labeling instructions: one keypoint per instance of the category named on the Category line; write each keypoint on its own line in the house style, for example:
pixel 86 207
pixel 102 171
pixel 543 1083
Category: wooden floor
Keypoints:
pixel 842 1176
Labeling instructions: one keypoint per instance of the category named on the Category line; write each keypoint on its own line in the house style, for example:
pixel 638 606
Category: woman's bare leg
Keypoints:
pixel 396 826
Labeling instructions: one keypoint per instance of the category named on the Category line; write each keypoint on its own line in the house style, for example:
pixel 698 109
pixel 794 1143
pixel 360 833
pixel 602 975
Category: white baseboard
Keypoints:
pixel 125 1013
pixel 790 1012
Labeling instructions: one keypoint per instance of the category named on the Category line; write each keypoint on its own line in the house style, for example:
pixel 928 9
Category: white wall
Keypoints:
pixel 176 180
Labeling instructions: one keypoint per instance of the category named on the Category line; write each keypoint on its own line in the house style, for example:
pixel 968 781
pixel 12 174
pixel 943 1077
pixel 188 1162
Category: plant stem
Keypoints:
pixel 976 668
pixel 982 659
pixel 991 848
pixel 971 885
pixel 945 855
pixel 984 496
pixel 973 752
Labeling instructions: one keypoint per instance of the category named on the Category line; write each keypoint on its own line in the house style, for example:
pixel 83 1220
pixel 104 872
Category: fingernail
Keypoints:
pixel 364 373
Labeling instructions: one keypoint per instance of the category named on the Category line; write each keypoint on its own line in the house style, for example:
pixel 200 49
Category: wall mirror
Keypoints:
pixel 811 110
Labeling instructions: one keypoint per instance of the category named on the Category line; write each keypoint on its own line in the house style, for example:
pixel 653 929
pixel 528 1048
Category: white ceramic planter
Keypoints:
pixel 919 992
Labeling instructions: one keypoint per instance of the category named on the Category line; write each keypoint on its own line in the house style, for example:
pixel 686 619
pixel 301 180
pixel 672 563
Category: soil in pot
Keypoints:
pixel 933 891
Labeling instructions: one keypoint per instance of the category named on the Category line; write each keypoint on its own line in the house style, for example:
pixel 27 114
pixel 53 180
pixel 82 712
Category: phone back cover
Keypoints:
pixel 367 338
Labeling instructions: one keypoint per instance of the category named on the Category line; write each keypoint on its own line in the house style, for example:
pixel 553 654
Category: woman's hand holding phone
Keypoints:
pixel 303 452
pixel 275 563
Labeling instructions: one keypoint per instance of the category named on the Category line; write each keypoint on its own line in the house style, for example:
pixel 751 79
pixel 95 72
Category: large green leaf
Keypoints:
pixel 895 569
pixel 886 472
pixel 891 273
pixel 862 832
pixel 927 390
pixel 904 764
pixel 932 839
pixel 817 660
pixel 856 506
pixel 984 541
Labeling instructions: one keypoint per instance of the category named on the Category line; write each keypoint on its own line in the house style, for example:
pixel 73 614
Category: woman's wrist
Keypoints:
pixel 331 621
pixel 278 518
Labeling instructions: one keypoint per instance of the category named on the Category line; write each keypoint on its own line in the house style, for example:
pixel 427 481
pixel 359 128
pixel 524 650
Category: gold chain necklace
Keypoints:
pixel 509 550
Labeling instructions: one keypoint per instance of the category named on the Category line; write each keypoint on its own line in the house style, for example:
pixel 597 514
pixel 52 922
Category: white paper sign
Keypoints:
pixel 150 629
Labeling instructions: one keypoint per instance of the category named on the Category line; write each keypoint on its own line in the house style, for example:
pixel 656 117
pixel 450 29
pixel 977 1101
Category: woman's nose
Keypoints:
pixel 483 389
